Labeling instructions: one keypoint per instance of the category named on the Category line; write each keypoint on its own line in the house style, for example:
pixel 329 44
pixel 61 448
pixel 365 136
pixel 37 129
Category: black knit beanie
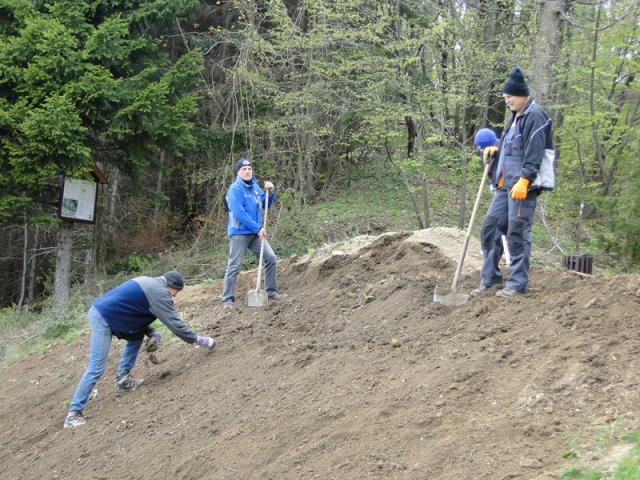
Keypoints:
pixel 174 280
pixel 241 163
pixel 515 84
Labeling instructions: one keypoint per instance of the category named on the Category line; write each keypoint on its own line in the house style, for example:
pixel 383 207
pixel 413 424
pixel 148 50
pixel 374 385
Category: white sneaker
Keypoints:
pixel 74 419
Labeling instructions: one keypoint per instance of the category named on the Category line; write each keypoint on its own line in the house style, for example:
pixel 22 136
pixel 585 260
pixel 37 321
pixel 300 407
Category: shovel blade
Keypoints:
pixel 256 298
pixel 451 299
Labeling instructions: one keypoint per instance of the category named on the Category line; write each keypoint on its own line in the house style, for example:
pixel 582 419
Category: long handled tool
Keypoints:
pixel 453 298
pixel 258 297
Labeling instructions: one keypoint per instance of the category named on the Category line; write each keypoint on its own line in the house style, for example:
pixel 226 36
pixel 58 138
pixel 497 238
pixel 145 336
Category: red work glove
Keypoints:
pixel 205 342
pixel 520 189
pixel 488 154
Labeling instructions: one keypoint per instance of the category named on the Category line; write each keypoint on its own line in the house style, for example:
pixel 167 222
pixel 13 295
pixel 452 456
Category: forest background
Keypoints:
pixel 362 112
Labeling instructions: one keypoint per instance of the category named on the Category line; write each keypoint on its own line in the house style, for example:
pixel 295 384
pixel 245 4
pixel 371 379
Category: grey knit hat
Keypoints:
pixel 174 280
pixel 515 84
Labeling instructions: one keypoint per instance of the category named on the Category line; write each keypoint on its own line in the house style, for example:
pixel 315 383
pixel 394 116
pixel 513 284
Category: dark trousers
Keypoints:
pixel 514 219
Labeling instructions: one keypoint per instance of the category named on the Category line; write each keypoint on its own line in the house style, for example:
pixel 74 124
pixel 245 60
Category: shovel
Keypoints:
pixel 258 297
pixel 453 298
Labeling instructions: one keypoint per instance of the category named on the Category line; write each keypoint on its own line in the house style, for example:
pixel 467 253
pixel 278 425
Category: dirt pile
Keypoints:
pixel 358 374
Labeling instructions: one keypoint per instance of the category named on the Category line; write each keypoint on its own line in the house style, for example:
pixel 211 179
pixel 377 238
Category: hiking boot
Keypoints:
pixel 508 292
pixel 481 290
pixel 227 304
pixel 124 383
pixel 74 419
pixel 277 296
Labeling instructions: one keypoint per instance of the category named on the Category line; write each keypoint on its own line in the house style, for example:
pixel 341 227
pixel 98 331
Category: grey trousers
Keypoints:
pixel 238 245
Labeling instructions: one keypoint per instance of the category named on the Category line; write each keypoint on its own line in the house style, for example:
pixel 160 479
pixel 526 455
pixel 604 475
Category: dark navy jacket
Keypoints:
pixel 524 155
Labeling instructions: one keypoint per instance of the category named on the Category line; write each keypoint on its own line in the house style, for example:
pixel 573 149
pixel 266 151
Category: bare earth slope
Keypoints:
pixel 358 374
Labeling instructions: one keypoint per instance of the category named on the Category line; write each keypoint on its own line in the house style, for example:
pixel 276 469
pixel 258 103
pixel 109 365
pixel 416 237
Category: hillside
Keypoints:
pixel 358 374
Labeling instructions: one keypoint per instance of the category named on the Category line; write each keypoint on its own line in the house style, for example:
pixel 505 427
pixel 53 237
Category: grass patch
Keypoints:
pixel 624 467
pixel 27 331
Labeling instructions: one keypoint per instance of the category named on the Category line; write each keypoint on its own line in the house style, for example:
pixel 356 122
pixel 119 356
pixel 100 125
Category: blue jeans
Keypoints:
pixel 98 354
pixel 238 245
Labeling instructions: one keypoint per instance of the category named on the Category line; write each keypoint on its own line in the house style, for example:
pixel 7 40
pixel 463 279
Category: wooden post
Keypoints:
pixel 63 265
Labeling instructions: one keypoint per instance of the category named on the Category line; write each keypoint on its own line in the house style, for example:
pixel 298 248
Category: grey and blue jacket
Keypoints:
pixel 529 152
pixel 245 204
pixel 132 306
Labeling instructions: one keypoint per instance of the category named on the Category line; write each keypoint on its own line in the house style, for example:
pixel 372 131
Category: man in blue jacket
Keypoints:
pixel 245 202
pixel 524 166
pixel 127 312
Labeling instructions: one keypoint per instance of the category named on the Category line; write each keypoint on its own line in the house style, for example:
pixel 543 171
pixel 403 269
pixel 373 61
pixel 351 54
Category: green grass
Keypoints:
pixel 626 468
pixel 576 474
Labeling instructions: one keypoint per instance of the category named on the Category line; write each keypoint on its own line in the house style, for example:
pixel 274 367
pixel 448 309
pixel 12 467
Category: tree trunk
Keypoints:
pixel 412 133
pixel 425 203
pixel 600 154
pixel 160 178
pixel 25 261
pixel 548 44
pixel 88 265
pixel 113 197
pixel 414 201
pixel 63 265
pixel 463 192
pixel 33 267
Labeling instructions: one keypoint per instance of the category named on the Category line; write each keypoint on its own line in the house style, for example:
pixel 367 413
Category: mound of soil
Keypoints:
pixel 357 374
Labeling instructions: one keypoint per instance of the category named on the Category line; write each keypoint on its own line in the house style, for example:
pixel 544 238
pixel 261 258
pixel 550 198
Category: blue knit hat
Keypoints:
pixel 515 84
pixel 485 137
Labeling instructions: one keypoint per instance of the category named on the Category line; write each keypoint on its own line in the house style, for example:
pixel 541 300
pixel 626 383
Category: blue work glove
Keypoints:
pixel 205 342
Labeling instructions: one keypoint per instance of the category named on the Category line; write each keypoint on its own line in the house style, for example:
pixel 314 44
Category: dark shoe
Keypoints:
pixel 481 290
pixel 508 292
pixel 277 296
pixel 74 419
pixel 227 304
pixel 125 383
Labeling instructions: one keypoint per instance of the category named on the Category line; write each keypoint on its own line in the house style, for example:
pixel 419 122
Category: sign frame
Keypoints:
pixel 78 200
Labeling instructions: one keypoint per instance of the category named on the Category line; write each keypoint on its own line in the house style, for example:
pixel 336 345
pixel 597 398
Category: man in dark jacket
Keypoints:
pixel 524 167
pixel 127 312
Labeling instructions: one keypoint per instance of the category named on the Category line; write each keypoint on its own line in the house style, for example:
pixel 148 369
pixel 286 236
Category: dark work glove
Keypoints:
pixel 489 154
pixel 153 341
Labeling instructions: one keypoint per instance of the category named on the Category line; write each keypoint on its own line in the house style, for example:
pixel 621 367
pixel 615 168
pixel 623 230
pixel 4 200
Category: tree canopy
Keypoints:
pixel 85 82
pixel 167 94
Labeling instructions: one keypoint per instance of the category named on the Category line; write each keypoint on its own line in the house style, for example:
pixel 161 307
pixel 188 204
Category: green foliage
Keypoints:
pixel 25 331
pixel 316 98
pixel 627 468
pixel 136 263
pixel 570 454
pixel 598 161
pixel 79 80
pixel 577 474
